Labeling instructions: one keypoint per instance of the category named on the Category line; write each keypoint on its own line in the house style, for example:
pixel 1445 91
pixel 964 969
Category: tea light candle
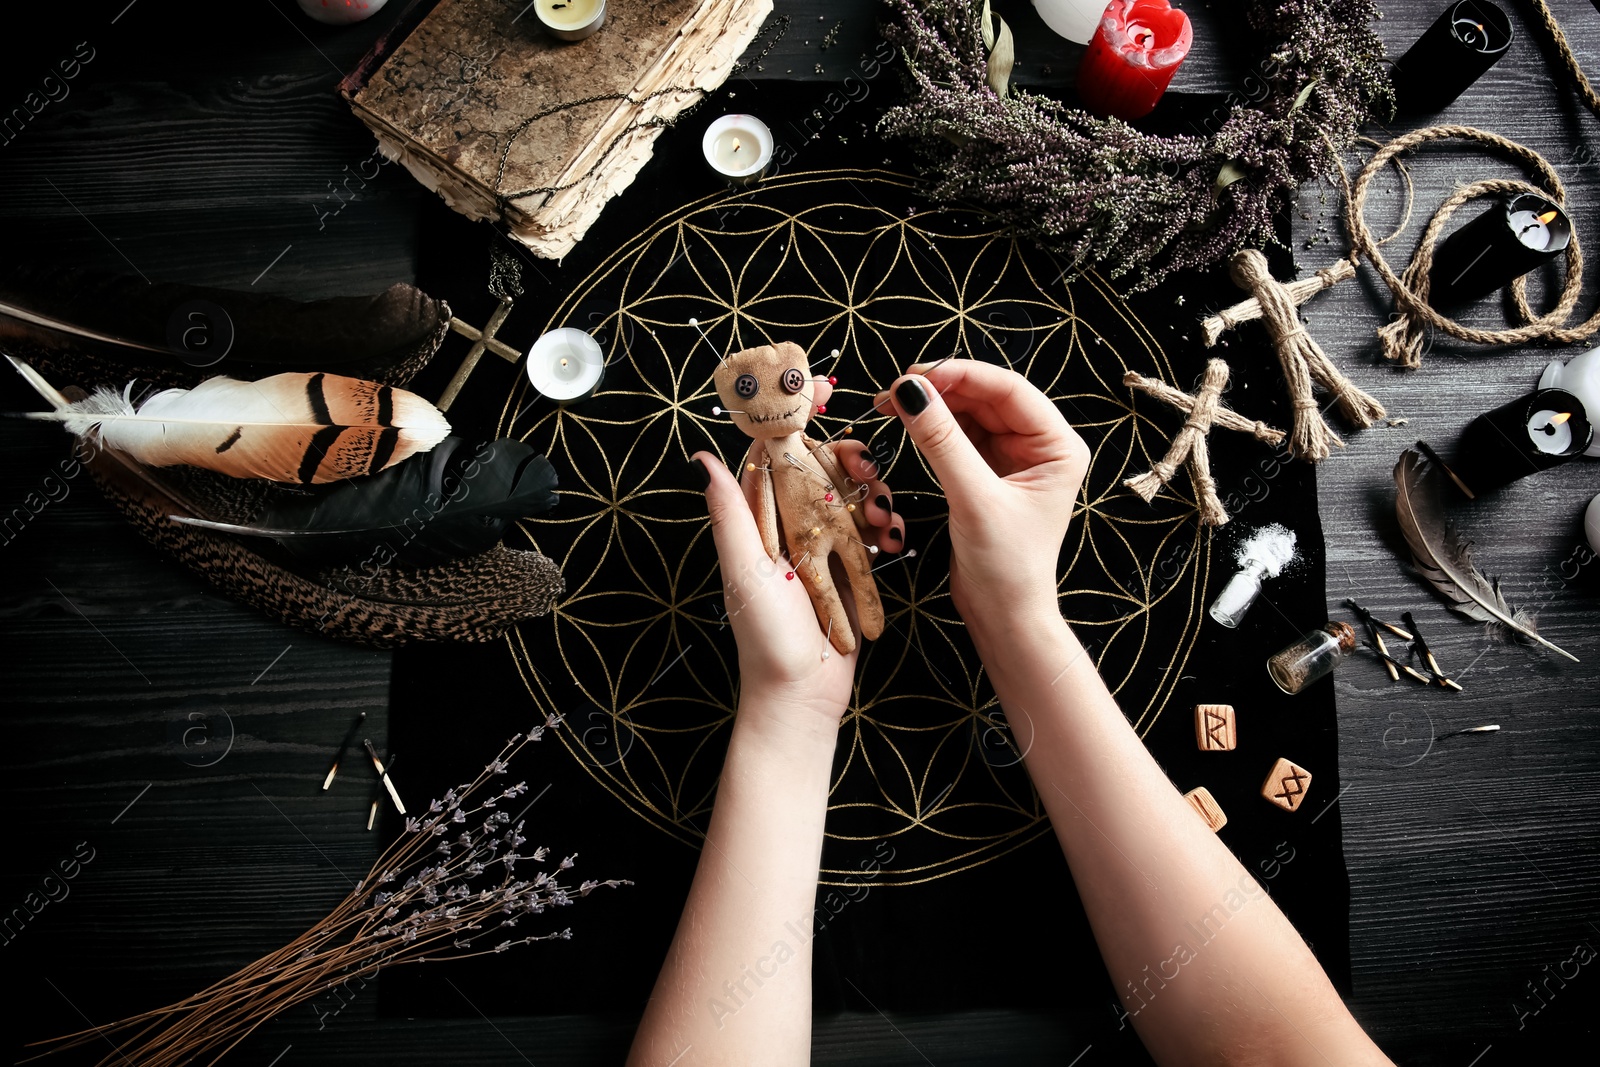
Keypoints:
pixel 1076 20
pixel 570 20
pixel 566 365
pixel 1462 43
pixel 1581 378
pixel 1135 52
pixel 738 147
pixel 1503 243
pixel 1533 433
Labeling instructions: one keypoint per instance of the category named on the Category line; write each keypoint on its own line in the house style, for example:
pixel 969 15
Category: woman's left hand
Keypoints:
pixel 785 660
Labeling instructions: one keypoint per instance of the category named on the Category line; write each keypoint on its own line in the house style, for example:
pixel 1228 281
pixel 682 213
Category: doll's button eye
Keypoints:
pixel 745 385
pixel 793 380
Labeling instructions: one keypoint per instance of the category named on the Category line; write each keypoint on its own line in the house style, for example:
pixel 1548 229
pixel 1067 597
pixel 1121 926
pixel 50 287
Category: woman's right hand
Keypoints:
pixel 1011 468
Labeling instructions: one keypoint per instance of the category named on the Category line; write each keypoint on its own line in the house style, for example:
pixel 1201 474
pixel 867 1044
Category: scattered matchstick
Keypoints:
pixel 394 794
pixel 350 735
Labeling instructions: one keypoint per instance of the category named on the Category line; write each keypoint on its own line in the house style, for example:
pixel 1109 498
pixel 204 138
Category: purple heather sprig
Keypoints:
pixel 1109 197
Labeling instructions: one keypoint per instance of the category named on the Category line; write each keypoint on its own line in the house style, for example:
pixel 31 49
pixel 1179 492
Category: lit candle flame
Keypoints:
pixel 563 362
pixel 1557 420
pixel 1548 216
pixel 736 144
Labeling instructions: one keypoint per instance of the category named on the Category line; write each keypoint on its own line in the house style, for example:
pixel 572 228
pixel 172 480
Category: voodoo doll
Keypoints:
pixel 798 488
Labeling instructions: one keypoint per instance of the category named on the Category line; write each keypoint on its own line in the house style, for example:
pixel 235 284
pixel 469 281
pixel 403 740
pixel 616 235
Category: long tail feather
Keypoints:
pixel 305 428
pixel 1444 559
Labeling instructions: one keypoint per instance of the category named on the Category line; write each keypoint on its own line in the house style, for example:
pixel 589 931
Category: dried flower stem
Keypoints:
pixel 1103 193
pixel 441 906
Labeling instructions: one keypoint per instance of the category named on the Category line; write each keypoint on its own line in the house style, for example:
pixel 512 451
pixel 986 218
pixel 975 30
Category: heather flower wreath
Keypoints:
pixel 1114 199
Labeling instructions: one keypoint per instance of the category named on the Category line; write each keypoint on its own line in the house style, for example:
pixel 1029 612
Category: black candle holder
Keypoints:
pixel 1498 447
pixel 1462 43
pixel 1491 251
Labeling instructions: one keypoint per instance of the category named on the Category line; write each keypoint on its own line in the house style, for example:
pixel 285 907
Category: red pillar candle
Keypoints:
pixel 1134 54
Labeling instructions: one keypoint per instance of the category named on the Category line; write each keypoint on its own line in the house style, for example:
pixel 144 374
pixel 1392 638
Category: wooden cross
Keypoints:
pixel 481 340
pixel 1205 410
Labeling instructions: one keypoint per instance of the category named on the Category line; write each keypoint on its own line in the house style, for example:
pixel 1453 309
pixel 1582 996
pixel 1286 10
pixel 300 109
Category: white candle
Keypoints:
pixel 1581 377
pixel 738 147
pixel 570 20
pixel 1532 229
pixel 1591 523
pixel 566 365
pixel 1076 20
pixel 1551 431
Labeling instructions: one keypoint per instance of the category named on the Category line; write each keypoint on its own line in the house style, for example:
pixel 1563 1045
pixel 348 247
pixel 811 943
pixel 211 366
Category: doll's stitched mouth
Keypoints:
pixel 772 418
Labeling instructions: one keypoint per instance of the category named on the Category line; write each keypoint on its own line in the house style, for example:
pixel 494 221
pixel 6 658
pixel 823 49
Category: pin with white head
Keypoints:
pixel 909 553
pixel 696 324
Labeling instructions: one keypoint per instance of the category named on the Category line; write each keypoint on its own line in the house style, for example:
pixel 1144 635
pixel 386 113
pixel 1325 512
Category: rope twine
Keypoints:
pixel 1404 339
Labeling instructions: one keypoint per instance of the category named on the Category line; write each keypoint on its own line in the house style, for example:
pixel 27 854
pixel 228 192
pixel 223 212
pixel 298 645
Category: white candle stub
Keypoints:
pixel 738 147
pixel 570 20
pixel 1581 377
pixel 1551 431
pixel 566 365
pixel 1532 229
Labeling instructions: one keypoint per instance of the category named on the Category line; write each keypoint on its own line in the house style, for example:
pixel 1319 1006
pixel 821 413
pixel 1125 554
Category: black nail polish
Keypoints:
pixel 912 396
pixel 882 501
pixel 702 472
pixel 894 534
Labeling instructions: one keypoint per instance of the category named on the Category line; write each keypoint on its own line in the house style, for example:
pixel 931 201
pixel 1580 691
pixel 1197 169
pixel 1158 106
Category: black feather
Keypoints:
pixel 453 501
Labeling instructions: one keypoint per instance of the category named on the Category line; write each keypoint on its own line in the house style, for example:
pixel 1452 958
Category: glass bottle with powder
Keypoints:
pixel 1311 657
pixel 1264 555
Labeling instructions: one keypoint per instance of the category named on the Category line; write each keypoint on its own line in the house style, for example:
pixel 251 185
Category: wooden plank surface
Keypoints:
pixel 209 150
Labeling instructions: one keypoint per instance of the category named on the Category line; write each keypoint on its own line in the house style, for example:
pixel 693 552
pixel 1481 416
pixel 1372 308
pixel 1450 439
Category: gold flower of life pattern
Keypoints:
pixel 639 656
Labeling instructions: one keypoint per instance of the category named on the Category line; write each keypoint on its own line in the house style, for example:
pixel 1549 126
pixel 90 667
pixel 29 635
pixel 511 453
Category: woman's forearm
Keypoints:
pixel 1207 967
pixel 736 985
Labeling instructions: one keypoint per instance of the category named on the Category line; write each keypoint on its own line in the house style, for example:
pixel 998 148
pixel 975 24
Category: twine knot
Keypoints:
pixel 1302 359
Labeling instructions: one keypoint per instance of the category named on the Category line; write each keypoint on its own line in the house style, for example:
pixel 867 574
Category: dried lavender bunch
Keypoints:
pixel 446 889
pixel 1114 199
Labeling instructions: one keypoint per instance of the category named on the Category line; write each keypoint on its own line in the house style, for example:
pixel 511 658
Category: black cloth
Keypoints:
pixel 837 249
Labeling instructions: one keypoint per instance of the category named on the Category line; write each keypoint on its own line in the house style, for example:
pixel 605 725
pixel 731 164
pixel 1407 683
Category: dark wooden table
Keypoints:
pixel 205 147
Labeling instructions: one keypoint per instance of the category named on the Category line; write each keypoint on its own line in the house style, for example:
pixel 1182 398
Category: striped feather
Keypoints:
pixel 303 428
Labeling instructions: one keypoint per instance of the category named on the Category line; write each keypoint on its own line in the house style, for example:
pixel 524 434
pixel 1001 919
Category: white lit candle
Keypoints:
pixel 1580 376
pixel 570 20
pixel 738 147
pixel 566 365
pixel 1076 20
pixel 1551 431
pixel 1532 229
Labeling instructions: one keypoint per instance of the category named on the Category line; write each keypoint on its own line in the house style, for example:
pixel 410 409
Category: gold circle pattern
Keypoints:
pixel 639 657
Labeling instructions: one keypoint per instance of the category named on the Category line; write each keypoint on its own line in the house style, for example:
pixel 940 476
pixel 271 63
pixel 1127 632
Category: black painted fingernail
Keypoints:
pixel 703 472
pixel 882 501
pixel 894 534
pixel 912 396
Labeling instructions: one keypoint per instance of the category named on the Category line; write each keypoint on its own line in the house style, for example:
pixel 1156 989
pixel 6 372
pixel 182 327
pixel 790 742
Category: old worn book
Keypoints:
pixel 506 122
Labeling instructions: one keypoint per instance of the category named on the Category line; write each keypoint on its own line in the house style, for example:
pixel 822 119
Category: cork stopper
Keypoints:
pixel 1345 634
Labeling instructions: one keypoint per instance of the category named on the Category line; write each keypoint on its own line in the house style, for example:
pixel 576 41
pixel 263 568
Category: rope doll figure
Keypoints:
pixel 801 496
